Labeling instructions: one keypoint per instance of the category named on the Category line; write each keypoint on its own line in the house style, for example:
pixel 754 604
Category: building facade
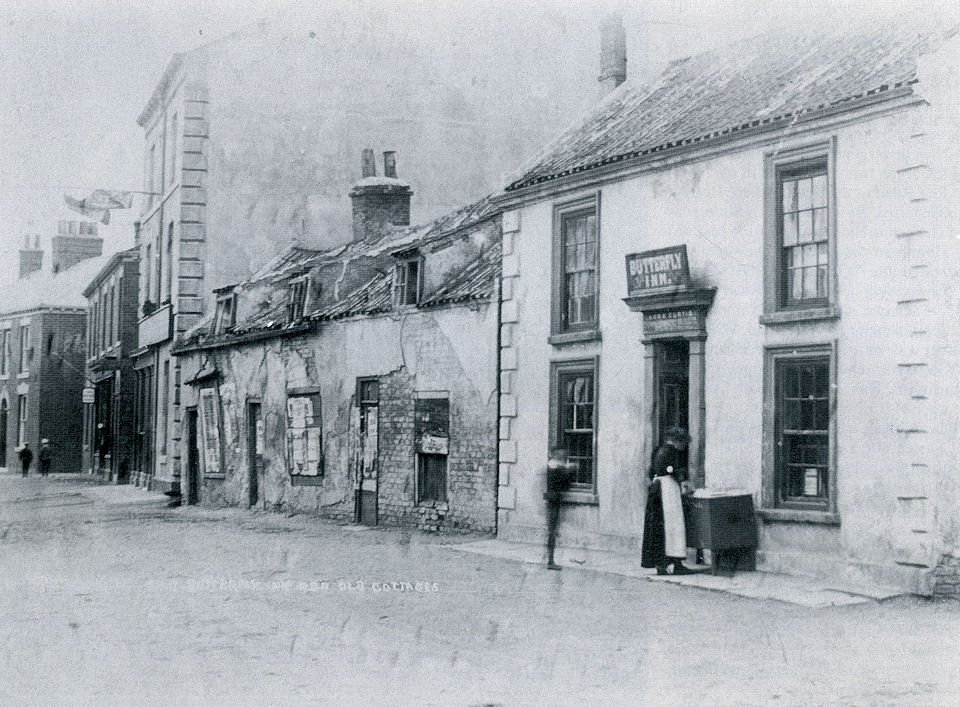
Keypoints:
pixel 42 343
pixel 110 394
pixel 245 141
pixel 760 247
pixel 358 383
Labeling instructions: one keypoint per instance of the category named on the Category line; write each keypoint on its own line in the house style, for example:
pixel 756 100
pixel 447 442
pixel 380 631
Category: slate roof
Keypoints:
pixel 766 81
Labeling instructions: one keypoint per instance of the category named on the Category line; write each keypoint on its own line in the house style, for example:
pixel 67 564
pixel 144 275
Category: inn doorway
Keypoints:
pixel 254 451
pixel 673 386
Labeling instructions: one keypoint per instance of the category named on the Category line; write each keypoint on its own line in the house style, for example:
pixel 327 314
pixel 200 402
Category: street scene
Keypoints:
pixel 482 353
pixel 111 597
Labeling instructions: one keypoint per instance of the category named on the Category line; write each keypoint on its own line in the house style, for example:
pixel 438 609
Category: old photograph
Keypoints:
pixel 482 353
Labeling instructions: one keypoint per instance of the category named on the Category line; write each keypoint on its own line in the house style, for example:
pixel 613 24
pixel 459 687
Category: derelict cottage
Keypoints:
pixel 358 382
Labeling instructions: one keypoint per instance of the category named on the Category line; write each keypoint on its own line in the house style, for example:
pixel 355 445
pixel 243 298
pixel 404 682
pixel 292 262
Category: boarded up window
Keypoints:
pixel 304 455
pixel 210 431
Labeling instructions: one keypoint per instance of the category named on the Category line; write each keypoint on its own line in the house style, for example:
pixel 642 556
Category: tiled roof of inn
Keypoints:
pixel 766 81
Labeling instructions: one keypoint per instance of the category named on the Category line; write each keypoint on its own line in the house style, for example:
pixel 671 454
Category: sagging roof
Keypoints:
pixel 768 81
pixel 475 281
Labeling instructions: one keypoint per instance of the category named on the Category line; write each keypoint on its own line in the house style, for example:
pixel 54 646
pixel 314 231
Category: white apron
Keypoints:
pixel 674 532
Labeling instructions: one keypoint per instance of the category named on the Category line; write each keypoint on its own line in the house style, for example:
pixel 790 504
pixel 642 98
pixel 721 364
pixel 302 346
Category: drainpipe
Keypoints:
pixel 496 488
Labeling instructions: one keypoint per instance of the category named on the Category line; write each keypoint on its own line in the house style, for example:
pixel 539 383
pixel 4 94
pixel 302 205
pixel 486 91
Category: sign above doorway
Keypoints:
pixel 660 270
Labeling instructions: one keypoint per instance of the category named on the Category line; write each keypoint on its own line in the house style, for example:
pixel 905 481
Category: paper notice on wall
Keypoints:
pixel 297 411
pixel 298 452
pixel 313 447
pixel 811 482
pixel 259 436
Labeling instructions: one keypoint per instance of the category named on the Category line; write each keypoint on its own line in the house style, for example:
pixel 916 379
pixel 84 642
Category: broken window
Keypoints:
pixel 226 313
pixel 407 282
pixel 304 450
pixel 297 300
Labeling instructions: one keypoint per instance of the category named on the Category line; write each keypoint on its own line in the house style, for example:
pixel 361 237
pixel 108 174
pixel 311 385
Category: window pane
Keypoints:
pixel 809 282
pixel 804 193
pixel 820 225
pixel 822 254
pixel 822 282
pixel 789 229
pixel 789 196
pixel 820 190
pixel 796 284
pixel 805 226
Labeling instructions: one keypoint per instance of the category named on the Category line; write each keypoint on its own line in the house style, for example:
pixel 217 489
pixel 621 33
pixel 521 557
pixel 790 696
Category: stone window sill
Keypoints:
pixel 25 374
pixel 306 480
pixel 575 337
pixel 793 515
pixel 584 498
pixel 215 477
pixel 792 316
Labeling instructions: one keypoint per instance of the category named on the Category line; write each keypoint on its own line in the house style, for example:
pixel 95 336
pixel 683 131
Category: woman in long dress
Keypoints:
pixel 664 534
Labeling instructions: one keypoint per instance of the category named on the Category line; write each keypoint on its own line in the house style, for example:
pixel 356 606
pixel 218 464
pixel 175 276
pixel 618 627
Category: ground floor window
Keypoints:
pixel 800 429
pixel 304 443
pixel 431 477
pixel 573 420
pixel 21 419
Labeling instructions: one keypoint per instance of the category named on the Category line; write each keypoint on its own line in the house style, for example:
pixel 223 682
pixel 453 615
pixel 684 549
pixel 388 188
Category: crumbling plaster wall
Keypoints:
pixel 450 349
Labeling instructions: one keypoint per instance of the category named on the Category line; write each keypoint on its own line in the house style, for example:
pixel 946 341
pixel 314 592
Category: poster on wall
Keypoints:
pixel 210 432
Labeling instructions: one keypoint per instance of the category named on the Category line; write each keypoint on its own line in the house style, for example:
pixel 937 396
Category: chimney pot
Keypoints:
pixel 368 164
pixel 613 52
pixel 390 164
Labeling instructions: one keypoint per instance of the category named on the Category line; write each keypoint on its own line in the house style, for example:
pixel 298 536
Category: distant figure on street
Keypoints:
pixel 26 458
pixel 664 534
pixel 560 474
pixel 102 444
pixel 45 456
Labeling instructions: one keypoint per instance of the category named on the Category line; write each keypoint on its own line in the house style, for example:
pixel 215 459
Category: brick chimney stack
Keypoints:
pixel 379 203
pixel 31 259
pixel 76 241
pixel 613 53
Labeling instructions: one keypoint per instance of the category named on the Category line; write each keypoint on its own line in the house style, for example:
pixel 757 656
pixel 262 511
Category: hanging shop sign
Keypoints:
pixel 657 270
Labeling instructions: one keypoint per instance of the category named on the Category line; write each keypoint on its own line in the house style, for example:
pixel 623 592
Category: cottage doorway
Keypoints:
pixel 368 464
pixel 254 451
pixel 3 432
pixel 193 458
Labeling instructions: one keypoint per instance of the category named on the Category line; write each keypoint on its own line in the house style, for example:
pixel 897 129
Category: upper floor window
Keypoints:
pixel 575 267
pixel 805 235
pixel 801 248
pixel 151 161
pixel 172 149
pixel 24 348
pixel 407 281
pixel 5 352
pixel 297 299
pixel 226 313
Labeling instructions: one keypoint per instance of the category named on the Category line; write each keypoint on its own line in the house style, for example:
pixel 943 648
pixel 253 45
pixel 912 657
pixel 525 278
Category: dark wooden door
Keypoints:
pixel 254 451
pixel 673 386
pixel 193 458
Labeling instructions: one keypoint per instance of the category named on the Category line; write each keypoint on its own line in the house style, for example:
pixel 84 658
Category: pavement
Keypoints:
pixel 109 596
pixel 802 591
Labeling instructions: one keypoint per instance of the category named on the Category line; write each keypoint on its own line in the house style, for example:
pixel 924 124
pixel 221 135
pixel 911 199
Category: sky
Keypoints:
pixel 76 74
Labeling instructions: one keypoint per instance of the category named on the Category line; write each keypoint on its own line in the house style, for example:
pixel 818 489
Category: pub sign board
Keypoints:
pixel 658 270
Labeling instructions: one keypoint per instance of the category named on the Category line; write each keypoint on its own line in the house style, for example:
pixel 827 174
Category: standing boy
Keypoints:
pixel 560 473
